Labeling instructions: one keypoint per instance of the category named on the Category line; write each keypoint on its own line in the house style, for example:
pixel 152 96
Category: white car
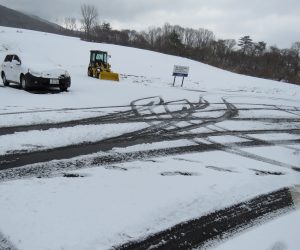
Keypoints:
pixel 36 74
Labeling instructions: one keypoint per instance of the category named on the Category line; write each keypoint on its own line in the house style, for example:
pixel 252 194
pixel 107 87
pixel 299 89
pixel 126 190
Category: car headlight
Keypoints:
pixel 98 70
pixel 34 73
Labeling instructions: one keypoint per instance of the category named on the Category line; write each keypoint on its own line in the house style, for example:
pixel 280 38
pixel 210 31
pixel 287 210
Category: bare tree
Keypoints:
pixel 167 29
pixel 89 18
pixel 296 47
pixel 70 23
pixel 189 37
pixel 204 38
pixel 295 50
pixel 229 45
pixel 153 35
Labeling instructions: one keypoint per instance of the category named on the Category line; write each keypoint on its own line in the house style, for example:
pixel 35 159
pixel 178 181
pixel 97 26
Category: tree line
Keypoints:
pixel 244 56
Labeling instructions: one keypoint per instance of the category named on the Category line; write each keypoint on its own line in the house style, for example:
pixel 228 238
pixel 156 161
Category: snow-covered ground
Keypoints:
pixel 281 234
pixel 246 130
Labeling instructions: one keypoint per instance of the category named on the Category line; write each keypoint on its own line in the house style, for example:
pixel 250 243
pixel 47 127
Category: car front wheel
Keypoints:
pixel 5 82
pixel 63 89
pixel 24 84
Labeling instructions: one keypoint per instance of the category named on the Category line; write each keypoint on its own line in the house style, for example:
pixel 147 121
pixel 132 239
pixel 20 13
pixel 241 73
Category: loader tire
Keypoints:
pixel 90 72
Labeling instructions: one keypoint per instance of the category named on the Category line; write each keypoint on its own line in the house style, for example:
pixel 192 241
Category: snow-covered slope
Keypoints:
pixel 143 67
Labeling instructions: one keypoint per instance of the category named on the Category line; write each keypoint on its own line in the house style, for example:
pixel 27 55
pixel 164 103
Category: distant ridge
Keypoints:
pixel 16 19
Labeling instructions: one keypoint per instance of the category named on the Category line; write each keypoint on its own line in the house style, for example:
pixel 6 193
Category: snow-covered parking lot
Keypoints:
pixel 113 164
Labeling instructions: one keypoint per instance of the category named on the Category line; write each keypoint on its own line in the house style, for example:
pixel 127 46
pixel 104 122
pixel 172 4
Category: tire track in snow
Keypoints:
pixel 219 225
pixel 5 244
pixel 40 164
pixel 132 116
pixel 117 117
pixel 163 126
pixel 142 136
pixel 236 150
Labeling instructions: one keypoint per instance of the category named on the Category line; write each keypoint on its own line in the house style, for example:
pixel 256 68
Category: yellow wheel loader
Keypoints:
pixel 99 67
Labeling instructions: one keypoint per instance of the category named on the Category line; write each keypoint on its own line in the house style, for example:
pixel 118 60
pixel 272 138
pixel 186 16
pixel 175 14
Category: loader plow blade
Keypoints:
pixel 109 76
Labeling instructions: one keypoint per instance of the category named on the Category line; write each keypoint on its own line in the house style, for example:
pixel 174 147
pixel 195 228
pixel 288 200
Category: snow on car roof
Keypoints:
pixel 36 61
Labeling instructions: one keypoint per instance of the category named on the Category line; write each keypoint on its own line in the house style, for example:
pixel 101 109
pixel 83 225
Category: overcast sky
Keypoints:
pixel 276 22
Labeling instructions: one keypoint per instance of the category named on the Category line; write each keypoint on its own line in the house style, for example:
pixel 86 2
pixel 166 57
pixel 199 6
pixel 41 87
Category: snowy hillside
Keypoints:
pixel 139 66
pixel 108 163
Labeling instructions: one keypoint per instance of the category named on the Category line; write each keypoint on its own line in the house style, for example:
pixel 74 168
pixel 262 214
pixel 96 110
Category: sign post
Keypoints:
pixel 181 71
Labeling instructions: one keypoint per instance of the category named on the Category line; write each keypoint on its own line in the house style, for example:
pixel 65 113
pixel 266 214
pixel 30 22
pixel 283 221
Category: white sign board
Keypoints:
pixel 180 71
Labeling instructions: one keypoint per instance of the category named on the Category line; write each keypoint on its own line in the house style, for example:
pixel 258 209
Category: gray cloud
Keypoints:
pixel 273 21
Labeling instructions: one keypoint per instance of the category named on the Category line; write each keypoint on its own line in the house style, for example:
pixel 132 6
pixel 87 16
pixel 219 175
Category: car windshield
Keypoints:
pixel 16 58
pixel 8 58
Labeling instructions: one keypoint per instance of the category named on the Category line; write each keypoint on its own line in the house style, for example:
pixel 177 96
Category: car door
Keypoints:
pixel 6 66
pixel 15 68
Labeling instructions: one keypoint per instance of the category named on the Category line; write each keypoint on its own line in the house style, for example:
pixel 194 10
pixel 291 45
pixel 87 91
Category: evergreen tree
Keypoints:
pixel 246 45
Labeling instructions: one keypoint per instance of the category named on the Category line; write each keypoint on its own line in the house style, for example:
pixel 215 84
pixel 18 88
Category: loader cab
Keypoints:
pixel 99 67
pixel 98 57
